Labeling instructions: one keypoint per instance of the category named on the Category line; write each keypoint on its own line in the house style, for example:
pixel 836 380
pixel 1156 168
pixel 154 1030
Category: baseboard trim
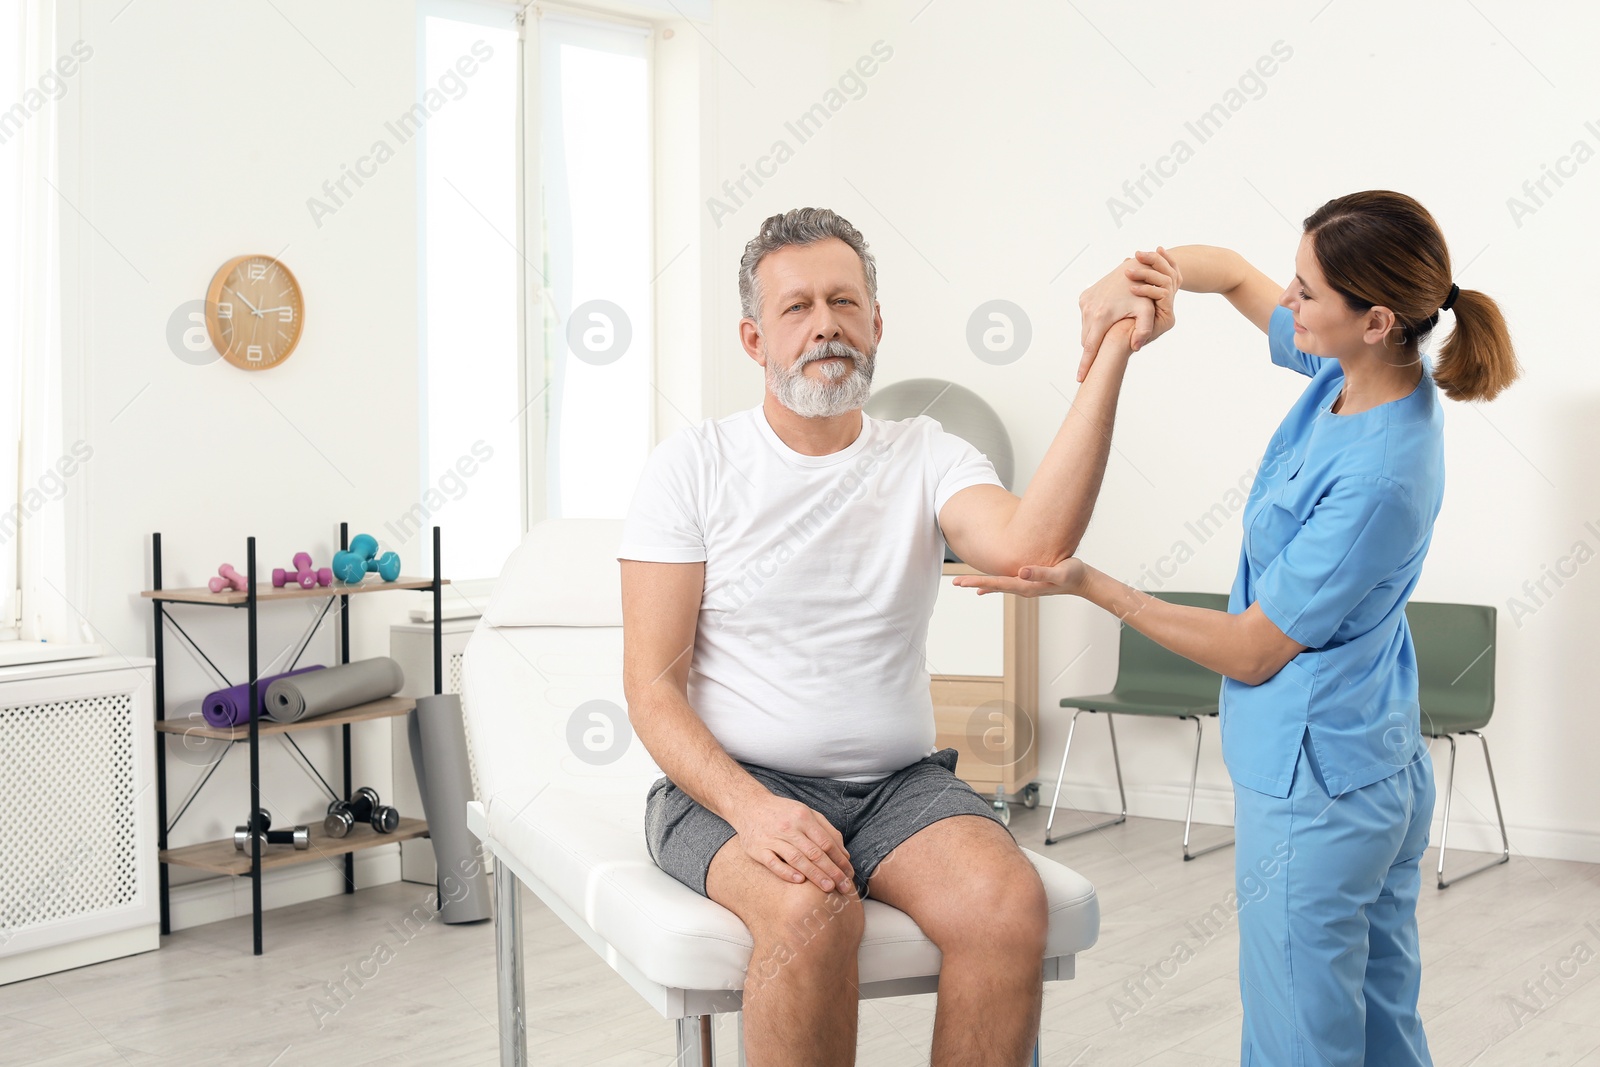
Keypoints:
pixel 210 900
pixel 1213 806
pixel 97 949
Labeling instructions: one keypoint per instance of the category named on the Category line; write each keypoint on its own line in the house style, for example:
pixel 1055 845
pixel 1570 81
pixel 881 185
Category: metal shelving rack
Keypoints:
pixel 221 856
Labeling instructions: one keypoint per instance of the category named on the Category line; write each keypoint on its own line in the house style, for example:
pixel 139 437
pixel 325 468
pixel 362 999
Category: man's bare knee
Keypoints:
pixel 1025 916
pixel 805 913
pixel 804 933
pixel 1010 916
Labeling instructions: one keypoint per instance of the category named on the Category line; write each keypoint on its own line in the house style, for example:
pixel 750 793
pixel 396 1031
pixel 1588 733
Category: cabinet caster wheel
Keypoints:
pixel 1001 807
pixel 1030 795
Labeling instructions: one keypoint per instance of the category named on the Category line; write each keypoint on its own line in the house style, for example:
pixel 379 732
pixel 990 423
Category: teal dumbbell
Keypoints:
pixel 362 556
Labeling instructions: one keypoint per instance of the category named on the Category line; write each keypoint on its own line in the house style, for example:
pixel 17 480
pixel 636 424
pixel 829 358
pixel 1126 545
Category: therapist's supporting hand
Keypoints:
pixel 1141 289
pixel 795 843
pixel 1247 646
pixel 1066 577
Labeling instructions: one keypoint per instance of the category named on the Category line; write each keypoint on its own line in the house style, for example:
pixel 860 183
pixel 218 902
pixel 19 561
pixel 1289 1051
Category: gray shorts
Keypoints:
pixel 872 817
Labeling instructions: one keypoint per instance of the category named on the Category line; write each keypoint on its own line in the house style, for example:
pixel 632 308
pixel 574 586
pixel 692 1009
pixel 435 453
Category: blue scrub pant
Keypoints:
pixel 1329 969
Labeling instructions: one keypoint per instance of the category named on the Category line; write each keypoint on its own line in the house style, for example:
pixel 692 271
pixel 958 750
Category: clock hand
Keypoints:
pixel 253 309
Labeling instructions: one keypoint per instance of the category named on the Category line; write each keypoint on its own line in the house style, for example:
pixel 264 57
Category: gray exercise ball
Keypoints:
pixel 958 409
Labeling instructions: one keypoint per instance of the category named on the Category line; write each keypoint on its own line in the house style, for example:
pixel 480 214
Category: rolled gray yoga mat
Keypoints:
pixel 305 696
pixel 439 754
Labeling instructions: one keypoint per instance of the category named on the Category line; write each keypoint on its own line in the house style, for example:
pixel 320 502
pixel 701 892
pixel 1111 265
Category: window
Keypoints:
pixel 10 363
pixel 472 478
pixel 594 195
pixel 40 471
pixel 574 392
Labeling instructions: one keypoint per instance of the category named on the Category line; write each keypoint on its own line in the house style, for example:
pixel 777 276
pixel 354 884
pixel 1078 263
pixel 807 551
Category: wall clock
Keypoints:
pixel 254 312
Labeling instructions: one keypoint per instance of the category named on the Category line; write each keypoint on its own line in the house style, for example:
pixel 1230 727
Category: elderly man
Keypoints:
pixel 779 568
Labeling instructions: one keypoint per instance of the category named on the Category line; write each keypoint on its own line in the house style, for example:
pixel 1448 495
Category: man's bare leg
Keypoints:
pixel 967 884
pixel 801 995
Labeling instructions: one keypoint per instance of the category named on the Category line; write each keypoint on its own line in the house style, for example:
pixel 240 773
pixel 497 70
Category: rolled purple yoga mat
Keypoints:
pixel 231 706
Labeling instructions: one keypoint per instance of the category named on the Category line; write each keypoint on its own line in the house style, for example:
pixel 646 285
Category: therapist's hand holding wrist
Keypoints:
pixel 1142 289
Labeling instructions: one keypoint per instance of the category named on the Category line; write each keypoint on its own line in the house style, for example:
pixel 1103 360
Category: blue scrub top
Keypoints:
pixel 1335 531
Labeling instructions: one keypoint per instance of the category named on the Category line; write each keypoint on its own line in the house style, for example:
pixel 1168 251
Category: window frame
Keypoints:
pixel 533 298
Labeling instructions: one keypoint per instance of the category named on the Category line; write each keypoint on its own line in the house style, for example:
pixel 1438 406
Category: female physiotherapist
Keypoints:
pixel 1320 722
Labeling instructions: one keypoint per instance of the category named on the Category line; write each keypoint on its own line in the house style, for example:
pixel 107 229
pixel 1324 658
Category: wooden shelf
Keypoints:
pixel 221 857
pixel 377 709
pixel 1012 695
pixel 267 591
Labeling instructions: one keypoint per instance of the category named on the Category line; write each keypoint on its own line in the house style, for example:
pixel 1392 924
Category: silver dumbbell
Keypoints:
pixel 365 807
pixel 299 837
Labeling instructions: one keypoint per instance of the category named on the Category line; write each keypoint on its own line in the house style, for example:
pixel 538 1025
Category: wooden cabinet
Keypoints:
pixel 986 706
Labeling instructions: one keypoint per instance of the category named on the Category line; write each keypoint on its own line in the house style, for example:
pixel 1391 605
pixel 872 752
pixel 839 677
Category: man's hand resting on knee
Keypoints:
pixel 795 843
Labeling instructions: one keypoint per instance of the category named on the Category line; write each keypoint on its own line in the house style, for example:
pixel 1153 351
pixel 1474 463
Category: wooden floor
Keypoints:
pixel 1511 959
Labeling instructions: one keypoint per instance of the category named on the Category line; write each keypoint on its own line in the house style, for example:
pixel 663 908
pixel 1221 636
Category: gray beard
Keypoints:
pixel 845 388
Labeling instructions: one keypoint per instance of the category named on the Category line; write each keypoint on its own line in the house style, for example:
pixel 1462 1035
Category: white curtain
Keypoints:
pixel 10 366
pixel 595 163
pixel 49 469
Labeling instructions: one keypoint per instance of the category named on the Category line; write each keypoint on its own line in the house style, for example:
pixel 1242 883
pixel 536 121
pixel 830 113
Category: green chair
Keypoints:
pixel 1152 682
pixel 1455 669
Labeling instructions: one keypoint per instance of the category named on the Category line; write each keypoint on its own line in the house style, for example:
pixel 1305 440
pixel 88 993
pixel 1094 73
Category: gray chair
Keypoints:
pixel 1152 682
pixel 1455 673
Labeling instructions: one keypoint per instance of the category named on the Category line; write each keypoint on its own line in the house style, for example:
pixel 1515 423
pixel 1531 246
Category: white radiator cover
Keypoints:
pixel 78 856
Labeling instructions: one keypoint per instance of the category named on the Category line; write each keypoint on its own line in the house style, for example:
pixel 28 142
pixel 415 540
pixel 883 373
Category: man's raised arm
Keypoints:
pixel 997 532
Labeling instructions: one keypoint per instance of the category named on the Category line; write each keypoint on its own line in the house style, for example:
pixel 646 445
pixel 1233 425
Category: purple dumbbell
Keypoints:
pixel 228 578
pixel 302 574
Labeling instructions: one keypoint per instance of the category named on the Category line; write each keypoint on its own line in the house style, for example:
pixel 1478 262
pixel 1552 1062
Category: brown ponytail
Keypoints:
pixel 1383 248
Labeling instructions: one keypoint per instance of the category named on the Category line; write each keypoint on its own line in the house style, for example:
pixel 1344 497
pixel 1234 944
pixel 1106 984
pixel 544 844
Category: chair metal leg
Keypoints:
pixel 1449 792
pixel 508 967
pixel 1036 1043
pixel 740 1035
pixel 1116 761
pixel 1188 819
pixel 1444 832
pixel 695 1047
pixel 1488 764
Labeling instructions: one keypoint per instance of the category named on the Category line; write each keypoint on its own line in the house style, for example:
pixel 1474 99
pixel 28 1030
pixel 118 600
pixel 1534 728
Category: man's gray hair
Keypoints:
pixel 798 226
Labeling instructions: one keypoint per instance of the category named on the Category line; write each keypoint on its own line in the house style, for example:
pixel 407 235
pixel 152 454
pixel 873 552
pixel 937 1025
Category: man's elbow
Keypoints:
pixel 637 694
pixel 1005 562
pixel 1007 557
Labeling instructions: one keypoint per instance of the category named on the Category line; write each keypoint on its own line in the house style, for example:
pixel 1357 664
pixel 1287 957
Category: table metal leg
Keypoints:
pixel 508 967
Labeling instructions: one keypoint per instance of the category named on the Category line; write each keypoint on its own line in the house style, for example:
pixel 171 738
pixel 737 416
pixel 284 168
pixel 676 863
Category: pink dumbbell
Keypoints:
pixel 228 579
pixel 302 574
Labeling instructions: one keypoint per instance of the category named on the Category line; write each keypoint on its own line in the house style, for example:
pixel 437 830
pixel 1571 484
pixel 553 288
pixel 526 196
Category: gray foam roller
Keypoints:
pixel 439 755
pixel 305 696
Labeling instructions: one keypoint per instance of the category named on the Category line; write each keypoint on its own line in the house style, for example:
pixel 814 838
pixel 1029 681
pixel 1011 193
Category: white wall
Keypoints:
pixel 202 130
pixel 979 163
pixel 194 133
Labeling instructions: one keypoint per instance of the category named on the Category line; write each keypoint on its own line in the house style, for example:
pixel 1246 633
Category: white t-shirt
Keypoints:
pixel 821 571
pixel 821 574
